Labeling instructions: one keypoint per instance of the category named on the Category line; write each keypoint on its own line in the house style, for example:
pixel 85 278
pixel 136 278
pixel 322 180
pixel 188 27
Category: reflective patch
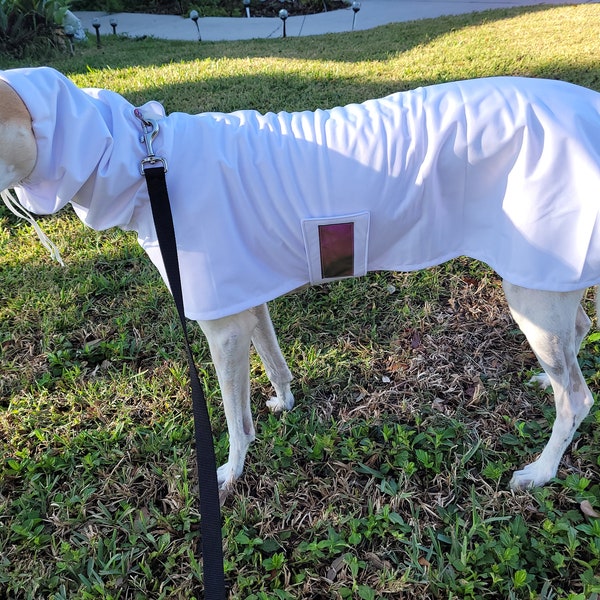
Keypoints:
pixel 336 247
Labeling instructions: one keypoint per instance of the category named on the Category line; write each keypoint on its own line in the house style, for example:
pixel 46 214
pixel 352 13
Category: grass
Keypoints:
pixel 389 477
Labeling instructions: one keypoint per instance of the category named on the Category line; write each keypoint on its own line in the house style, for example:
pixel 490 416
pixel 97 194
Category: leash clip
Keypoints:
pixel 150 130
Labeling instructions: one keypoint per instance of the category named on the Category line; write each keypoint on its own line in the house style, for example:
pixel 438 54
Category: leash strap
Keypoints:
pixel 210 509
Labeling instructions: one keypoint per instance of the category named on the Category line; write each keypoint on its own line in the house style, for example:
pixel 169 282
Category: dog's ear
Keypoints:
pixel 18 149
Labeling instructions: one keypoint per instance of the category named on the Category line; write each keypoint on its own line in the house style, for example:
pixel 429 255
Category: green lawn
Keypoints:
pixel 389 478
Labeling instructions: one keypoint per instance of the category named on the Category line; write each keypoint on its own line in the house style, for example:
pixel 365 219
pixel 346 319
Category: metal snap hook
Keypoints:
pixel 150 129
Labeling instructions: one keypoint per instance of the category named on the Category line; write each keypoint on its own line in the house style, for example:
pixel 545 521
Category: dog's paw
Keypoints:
pixel 227 476
pixel 280 403
pixel 542 381
pixel 533 475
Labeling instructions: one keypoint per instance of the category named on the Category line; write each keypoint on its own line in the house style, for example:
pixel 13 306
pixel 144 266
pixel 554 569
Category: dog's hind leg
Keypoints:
pixel 554 324
pixel 278 372
pixel 229 343
pixel 582 326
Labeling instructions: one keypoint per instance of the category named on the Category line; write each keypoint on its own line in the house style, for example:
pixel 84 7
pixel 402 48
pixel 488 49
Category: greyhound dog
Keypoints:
pixel 505 170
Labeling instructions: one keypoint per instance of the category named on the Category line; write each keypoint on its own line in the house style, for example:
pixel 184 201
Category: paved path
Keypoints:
pixel 372 13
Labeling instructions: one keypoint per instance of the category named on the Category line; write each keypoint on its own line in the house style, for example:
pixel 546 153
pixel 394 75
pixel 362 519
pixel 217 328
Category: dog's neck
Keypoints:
pixel 18 151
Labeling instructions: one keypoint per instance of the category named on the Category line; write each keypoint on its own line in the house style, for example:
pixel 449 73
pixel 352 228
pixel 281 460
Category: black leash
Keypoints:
pixel 210 509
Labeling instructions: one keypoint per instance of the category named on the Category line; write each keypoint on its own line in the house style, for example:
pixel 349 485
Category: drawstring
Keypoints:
pixel 15 207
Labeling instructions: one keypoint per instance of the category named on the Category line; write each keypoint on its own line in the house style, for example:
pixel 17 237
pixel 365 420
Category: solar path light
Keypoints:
pixel 283 15
pixel 355 9
pixel 194 16
pixel 70 33
pixel 96 26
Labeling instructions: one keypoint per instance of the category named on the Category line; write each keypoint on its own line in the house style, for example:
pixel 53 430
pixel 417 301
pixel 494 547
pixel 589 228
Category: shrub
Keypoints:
pixel 30 27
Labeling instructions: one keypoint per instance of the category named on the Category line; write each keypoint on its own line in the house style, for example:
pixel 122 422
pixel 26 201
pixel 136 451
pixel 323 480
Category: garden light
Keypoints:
pixel 355 8
pixel 70 33
pixel 96 26
pixel 194 16
pixel 283 15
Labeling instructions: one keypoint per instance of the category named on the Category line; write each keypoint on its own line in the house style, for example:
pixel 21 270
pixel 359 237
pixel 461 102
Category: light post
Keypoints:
pixel 70 33
pixel 194 16
pixel 113 24
pixel 355 8
pixel 283 15
pixel 96 26
pixel 247 7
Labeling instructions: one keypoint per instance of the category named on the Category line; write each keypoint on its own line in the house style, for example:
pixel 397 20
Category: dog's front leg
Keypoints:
pixel 229 343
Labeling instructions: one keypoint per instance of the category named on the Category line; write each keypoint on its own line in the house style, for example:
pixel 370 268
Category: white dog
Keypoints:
pixel 505 170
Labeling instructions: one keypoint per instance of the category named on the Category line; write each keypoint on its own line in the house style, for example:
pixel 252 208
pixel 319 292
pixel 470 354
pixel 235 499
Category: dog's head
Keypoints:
pixel 18 149
pixel 18 155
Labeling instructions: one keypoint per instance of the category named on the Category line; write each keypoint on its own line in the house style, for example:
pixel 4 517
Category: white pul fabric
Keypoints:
pixel 505 170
